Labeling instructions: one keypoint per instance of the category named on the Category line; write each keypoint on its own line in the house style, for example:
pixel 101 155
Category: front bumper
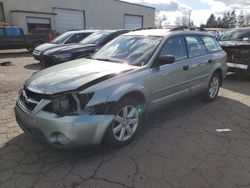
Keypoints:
pixel 79 130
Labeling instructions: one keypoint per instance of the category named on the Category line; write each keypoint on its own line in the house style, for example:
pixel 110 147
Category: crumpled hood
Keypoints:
pixel 67 48
pixel 72 75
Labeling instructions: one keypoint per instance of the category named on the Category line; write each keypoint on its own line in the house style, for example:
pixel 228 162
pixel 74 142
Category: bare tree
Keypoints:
pixel 160 19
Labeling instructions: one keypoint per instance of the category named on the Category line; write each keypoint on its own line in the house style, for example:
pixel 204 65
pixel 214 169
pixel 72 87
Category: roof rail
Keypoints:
pixel 138 29
pixel 182 28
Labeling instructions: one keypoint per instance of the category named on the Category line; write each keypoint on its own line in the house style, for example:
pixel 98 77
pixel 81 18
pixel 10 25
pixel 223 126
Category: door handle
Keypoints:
pixel 210 61
pixel 186 67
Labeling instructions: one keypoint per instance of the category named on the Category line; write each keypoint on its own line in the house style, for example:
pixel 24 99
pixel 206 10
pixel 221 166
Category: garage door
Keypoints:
pixel 33 23
pixel 66 20
pixel 133 21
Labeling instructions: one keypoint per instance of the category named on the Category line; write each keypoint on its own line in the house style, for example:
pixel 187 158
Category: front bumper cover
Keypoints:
pixel 80 130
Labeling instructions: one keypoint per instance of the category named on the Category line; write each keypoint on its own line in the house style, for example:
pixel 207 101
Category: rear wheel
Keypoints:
pixel 126 124
pixel 213 88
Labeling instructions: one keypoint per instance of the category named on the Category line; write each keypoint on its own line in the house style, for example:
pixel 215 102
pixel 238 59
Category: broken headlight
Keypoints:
pixel 69 104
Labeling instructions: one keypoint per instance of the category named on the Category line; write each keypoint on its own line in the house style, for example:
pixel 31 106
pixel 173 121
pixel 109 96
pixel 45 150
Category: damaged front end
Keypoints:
pixel 63 120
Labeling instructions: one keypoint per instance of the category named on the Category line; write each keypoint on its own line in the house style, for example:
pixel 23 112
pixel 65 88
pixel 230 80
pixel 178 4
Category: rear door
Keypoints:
pixel 12 38
pixel 200 62
pixel 171 81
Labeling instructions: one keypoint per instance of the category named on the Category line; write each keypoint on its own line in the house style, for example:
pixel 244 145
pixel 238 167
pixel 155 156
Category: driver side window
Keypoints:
pixel 175 46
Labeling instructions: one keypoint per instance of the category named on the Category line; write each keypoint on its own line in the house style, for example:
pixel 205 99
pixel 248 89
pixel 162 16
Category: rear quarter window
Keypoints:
pixel 195 46
pixel 211 44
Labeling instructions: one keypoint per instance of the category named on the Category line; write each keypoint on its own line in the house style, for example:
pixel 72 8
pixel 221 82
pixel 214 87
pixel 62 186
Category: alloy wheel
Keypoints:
pixel 125 123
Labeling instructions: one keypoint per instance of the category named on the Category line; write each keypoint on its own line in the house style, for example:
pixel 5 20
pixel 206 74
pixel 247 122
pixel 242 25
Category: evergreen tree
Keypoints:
pixel 219 22
pixel 241 20
pixel 232 20
pixel 225 20
pixel 211 22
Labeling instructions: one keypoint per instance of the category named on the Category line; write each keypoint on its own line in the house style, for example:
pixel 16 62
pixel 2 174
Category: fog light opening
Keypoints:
pixel 59 140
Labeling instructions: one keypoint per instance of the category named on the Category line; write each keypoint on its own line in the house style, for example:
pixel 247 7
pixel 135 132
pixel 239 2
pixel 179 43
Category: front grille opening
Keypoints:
pixel 29 100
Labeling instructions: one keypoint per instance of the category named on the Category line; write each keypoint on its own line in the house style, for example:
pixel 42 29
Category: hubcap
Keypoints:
pixel 125 123
pixel 214 87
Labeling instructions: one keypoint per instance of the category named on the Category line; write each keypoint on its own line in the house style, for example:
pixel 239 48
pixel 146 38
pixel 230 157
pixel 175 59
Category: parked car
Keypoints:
pixel 236 43
pixel 12 37
pixel 39 36
pixel 105 99
pixel 85 48
pixel 66 38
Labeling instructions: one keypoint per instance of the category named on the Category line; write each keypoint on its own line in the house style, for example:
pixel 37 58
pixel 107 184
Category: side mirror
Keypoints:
pixel 165 59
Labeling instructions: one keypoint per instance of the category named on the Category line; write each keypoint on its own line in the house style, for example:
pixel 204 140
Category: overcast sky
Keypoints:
pixel 201 9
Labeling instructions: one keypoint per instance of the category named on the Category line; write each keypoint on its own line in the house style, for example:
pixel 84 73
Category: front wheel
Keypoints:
pixel 213 88
pixel 126 124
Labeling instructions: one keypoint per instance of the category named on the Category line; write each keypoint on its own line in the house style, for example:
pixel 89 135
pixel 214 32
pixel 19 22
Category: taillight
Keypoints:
pixel 50 36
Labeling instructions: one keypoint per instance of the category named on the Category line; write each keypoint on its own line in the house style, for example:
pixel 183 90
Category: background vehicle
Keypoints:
pixel 85 48
pixel 65 38
pixel 236 43
pixel 12 37
pixel 105 98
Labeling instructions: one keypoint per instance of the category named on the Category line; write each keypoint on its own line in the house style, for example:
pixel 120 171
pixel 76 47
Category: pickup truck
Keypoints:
pixel 12 37
pixel 236 43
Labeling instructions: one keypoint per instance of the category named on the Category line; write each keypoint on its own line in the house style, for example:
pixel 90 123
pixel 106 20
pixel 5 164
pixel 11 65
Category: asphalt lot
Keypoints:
pixel 178 147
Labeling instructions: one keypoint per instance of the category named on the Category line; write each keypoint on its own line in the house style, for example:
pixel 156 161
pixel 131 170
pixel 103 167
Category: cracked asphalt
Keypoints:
pixel 177 148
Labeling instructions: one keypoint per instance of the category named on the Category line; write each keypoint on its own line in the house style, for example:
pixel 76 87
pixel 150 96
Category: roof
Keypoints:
pixel 135 4
pixel 154 32
pixel 165 32
pixel 83 31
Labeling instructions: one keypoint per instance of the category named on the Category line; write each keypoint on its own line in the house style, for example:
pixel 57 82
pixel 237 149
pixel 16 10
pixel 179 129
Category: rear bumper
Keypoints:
pixel 235 67
pixel 78 130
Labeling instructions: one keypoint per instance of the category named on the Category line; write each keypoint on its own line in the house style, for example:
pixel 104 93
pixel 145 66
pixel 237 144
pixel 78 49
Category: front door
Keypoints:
pixel 170 81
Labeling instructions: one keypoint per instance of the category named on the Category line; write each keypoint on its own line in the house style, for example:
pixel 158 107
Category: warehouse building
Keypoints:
pixel 64 15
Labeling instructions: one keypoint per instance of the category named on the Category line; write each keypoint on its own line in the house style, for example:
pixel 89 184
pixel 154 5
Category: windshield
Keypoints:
pixel 96 38
pixel 62 38
pixel 235 35
pixel 133 50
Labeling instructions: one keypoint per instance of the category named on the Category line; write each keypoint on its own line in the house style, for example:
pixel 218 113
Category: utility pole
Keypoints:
pixel 189 17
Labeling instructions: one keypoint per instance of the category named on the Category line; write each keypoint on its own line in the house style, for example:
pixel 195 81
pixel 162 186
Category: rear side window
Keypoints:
pixel 1 32
pixel 211 44
pixel 195 46
pixel 176 47
pixel 13 31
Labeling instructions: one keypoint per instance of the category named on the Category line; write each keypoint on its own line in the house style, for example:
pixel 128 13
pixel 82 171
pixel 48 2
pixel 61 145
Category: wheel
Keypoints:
pixel 213 88
pixel 126 124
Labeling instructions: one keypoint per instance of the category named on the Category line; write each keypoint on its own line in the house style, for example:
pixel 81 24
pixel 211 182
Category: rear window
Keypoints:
pixel 96 38
pixel 13 31
pixel 77 37
pixel 211 44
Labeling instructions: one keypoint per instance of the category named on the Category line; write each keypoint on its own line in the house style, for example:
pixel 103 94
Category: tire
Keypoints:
pixel 113 136
pixel 213 88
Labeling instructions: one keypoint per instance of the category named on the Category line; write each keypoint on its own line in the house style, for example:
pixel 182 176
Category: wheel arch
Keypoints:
pixel 219 71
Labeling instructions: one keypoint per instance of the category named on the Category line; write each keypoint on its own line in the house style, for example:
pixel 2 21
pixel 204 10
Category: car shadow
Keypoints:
pixel 23 150
pixel 14 54
pixel 237 82
pixel 33 66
